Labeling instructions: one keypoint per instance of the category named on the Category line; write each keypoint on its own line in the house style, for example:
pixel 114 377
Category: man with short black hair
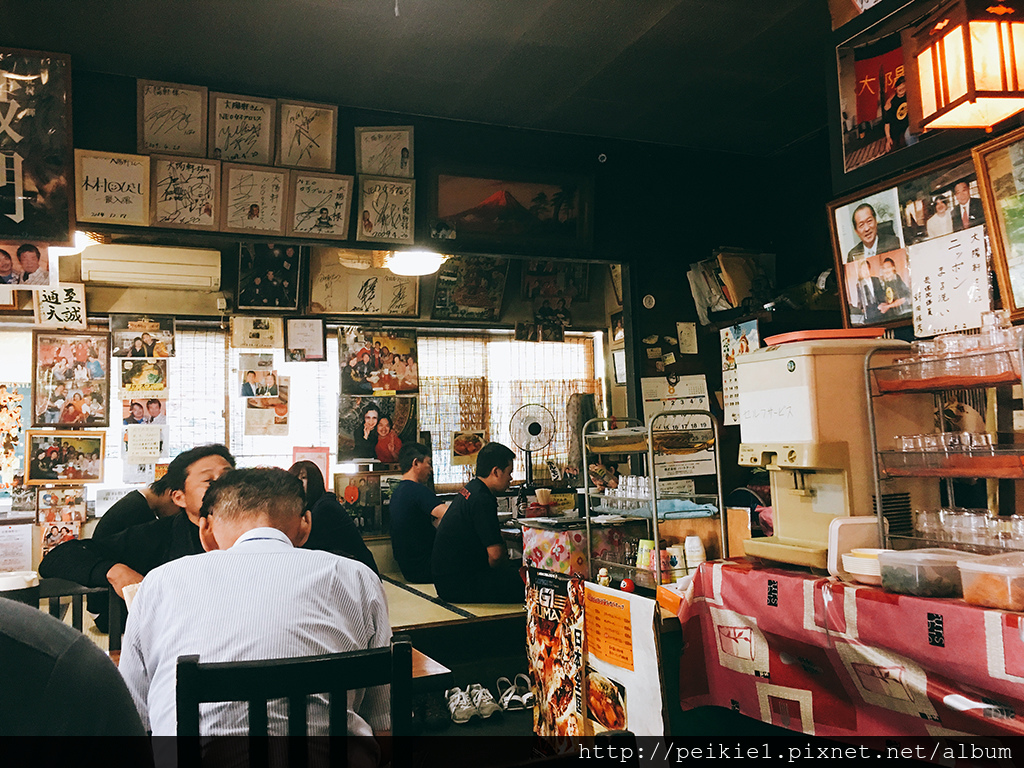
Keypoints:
pixel 254 595
pixel 414 508
pixel 470 562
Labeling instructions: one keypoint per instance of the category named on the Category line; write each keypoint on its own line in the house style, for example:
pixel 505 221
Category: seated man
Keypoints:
pixel 254 595
pixel 470 562
pixel 414 508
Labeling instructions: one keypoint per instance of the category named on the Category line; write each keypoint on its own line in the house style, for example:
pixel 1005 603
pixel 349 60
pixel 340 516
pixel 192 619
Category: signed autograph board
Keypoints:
pixel 336 289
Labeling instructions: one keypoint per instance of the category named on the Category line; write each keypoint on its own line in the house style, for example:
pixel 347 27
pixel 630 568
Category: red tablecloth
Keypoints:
pixel 837 660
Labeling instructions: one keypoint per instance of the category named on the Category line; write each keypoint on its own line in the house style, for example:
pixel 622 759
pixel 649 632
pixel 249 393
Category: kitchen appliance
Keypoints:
pixel 803 417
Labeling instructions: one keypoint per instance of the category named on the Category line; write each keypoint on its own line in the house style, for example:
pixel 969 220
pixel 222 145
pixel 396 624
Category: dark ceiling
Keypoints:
pixel 739 75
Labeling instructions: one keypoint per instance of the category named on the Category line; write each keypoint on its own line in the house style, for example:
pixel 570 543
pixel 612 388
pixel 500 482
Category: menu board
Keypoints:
pixel 609 630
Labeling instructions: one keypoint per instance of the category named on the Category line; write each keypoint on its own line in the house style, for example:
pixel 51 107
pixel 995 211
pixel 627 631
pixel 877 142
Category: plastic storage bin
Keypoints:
pixel 923 572
pixel 996 581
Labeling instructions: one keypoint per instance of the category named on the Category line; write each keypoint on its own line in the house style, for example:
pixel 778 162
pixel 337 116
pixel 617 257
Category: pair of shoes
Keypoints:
pixel 517 695
pixel 475 701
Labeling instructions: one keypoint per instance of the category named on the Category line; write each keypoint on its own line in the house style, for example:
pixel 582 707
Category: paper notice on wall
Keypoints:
pixel 736 341
pixel 16 547
pixel 268 415
pixel 108 497
pixel 681 393
pixel 137 473
pixel 950 282
pixel 623 685
pixel 687 335
pixel 143 442
pixel 60 306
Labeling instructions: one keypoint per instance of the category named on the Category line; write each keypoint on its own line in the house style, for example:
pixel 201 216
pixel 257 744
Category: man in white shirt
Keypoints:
pixel 254 595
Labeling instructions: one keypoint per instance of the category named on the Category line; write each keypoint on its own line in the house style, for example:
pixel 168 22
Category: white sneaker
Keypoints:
pixel 482 700
pixel 460 706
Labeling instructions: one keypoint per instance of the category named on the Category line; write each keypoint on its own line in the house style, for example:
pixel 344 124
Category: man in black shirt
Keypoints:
pixel 413 511
pixel 470 562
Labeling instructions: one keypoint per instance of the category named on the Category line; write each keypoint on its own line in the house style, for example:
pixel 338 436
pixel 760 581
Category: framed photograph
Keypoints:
pixel 619 365
pixel 143 378
pixel 377 362
pixel 172 118
pixel 257 332
pixel 112 188
pixel 511 211
pixel 144 411
pixel 386 210
pixel 877 233
pixel 616 274
pixel 65 505
pixel 142 335
pixel 70 379
pixel 268 276
pixel 26 266
pixel 15 404
pixel 375 427
pixel 360 495
pixel 555 279
pixel 257 376
pixel 470 288
pixel 307 135
pixel 305 339
pixel 385 151
pixel 1000 166
pixel 242 129
pixel 185 193
pixel 64 457
pixel 319 205
pixel 618 330
pixel 52 534
pixel 252 199
pixel 466 445
pixel 38 132
pixel 335 288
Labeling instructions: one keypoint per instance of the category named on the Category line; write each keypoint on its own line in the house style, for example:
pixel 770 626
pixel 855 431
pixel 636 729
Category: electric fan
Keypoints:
pixel 532 428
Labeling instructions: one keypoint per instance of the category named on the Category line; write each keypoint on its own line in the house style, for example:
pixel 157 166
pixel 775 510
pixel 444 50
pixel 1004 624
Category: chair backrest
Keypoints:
pixel 257 682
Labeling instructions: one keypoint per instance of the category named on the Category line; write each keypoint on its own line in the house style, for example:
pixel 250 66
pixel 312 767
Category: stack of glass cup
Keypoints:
pixel 633 491
pixel 980 527
pixel 990 353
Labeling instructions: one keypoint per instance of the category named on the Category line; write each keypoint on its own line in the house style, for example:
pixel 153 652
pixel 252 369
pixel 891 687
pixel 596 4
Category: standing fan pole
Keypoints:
pixel 529 468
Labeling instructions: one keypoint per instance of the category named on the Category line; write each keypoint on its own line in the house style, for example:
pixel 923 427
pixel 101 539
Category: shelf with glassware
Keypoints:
pixel 640 497
pixel 964 379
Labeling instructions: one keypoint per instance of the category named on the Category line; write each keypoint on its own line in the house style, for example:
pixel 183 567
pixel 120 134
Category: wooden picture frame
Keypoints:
pixel 319 205
pixel 305 339
pixel 999 183
pixel 112 188
pixel 57 361
pixel 619 366
pixel 171 118
pixel 253 199
pixel 40 134
pixel 508 211
pixel 385 151
pixel 615 272
pixel 336 289
pixel 907 211
pixel 269 276
pixel 185 192
pixel 387 210
pixel 470 288
pixel 242 129
pixel 307 135
pixel 53 469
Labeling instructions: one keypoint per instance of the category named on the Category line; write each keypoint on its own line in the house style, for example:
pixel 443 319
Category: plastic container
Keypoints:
pixel 996 581
pixel 923 572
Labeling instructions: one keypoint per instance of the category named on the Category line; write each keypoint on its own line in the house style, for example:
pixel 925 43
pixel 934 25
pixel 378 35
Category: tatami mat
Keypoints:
pixel 407 609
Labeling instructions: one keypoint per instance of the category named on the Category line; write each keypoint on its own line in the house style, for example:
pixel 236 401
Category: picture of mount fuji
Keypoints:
pixel 475 207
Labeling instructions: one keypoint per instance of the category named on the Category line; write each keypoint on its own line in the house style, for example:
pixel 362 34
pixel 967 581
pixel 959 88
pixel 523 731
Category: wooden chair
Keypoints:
pixel 257 682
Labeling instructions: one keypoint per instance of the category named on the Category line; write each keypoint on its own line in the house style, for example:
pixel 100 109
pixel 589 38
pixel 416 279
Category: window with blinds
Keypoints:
pixel 479 381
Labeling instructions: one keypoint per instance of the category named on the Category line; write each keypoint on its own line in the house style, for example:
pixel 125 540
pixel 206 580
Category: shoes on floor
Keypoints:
pixel 508 696
pixel 483 700
pixel 461 708
pixel 524 690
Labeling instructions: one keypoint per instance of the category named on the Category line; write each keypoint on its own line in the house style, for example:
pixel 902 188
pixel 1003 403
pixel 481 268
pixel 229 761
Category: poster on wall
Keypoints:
pixel 256 375
pixel 142 335
pixel 554 652
pixel 15 398
pixel 171 118
pixel 555 279
pixel 257 332
pixel 470 288
pixel 144 411
pixel 466 445
pixel 36 154
pixel 27 266
pixel 144 377
pixel 377 362
pixel 268 414
pixel 113 188
pixel 951 283
pixel 185 193
pixel 623 683
pixel 70 379
pixel 375 427
pixel 60 306
pixel 268 276
pixel 686 445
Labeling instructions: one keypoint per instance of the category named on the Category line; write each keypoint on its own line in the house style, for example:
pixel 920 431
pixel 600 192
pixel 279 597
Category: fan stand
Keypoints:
pixel 529 468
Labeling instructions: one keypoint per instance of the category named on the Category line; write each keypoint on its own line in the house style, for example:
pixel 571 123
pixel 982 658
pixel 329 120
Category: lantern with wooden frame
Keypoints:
pixel 970 63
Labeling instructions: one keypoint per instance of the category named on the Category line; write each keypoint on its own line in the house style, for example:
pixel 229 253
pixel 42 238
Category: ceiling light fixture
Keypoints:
pixel 414 263
pixel 970 63
pixel 81 242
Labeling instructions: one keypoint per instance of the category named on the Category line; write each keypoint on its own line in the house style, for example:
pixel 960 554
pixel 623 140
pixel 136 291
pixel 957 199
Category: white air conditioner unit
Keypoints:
pixel 152 266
